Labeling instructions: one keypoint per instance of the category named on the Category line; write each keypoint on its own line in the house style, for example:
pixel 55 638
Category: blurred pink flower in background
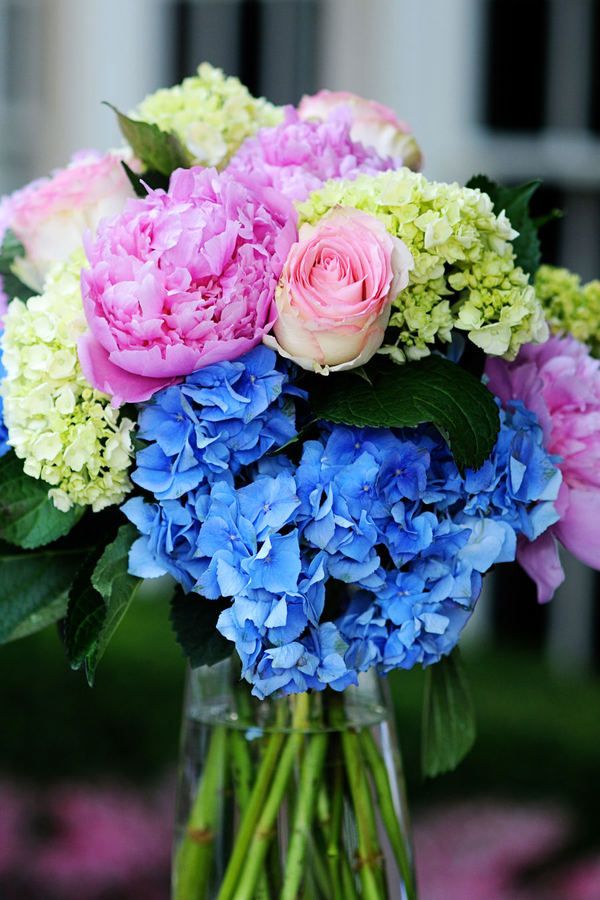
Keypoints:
pixel 101 838
pixel 83 842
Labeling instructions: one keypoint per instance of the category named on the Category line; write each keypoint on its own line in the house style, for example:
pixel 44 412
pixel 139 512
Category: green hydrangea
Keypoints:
pixel 210 113
pixel 465 275
pixel 570 306
pixel 65 431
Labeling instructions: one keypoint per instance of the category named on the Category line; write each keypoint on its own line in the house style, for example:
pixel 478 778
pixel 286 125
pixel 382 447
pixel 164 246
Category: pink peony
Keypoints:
pixel 560 382
pixel 181 280
pixel 298 156
pixel 51 215
pixel 373 124
pixel 335 294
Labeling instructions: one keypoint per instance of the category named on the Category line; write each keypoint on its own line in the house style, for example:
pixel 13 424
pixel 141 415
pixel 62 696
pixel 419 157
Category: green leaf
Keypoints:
pixel 141 183
pixel 515 201
pixel 10 251
pixel 85 615
pixel 34 588
pixel 98 601
pixel 448 716
pixel 194 622
pixel 430 390
pixel 28 518
pixel 161 151
pixel 118 588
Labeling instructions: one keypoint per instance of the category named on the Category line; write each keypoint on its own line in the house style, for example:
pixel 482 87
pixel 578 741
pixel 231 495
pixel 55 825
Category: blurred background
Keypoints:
pixel 506 87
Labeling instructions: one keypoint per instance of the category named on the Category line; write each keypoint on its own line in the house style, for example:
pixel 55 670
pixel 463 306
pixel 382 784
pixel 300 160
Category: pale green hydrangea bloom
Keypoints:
pixel 570 306
pixel 465 275
pixel 65 431
pixel 210 113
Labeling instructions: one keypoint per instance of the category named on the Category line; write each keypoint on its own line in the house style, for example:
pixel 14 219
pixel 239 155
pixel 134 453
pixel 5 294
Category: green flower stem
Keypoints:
pixel 335 849
pixel 253 811
pixel 369 862
pixel 311 771
pixel 388 812
pixel 348 883
pixel 242 772
pixel 195 854
pixel 256 852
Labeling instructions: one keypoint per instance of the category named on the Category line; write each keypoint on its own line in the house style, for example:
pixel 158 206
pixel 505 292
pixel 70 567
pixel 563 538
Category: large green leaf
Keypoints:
pixel 194 622
pixel 98 601
pixel 34 588
pixel 516 201
pixel 448 716
pixel 28 518
pixel 160 151
pixel 430 390
pixel 10 251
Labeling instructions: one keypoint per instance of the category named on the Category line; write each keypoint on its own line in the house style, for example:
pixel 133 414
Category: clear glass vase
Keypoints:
pixel 290 797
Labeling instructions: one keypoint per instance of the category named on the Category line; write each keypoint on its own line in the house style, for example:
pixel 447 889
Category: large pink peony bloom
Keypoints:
pixel 560 382
pixel 51 215
pixel 298 156
pixel 181 280
pixel 373 124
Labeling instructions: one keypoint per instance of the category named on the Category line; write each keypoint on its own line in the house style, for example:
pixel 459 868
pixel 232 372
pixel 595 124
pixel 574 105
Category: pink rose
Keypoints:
pixel 51 215
pixel 560 382
pixel 335 293
pixel 182 279
pixel 373 124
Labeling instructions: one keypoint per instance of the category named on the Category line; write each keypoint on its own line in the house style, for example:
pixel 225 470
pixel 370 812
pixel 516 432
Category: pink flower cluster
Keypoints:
pixel 560 382
pixel 182 279
pixel 373 124
pixel 298 156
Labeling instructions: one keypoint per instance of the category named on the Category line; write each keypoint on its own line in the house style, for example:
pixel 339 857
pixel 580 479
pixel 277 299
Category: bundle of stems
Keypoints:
pixel 343 834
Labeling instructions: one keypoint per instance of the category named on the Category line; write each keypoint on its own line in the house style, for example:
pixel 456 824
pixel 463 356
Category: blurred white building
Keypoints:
pixel 506 87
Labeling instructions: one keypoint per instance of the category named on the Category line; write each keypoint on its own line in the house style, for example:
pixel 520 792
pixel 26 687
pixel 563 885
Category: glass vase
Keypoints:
pixel 289 797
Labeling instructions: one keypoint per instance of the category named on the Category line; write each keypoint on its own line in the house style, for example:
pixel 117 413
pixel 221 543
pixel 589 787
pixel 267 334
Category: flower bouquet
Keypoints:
pixel 257 352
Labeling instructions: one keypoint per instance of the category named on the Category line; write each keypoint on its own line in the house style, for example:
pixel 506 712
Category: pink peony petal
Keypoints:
pixel 579 527
pixel 541 561
pixel 122 386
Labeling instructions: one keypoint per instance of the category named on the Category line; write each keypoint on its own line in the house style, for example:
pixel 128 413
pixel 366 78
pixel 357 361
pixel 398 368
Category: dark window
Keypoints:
pixel 516 54
pixel 595 70
pixel 518 619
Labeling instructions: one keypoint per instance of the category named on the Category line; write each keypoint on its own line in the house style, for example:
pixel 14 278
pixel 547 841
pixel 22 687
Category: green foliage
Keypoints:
pixel 430 390
pixel 160 151
pixel 98 600
pixel 149 179
pixel 10 251
pixel 28 518
pixel 34 588
pixel 194 622
pixel 448 717
pixel 516 201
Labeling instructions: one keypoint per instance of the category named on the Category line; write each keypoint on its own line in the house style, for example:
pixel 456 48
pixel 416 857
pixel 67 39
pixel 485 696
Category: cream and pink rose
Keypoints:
pixel 336 289
pixel 373 124
pixel 51 215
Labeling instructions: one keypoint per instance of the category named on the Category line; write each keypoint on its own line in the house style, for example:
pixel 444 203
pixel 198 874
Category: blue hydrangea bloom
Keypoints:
pixel 4 446
pixel 220 419
pixel 385 512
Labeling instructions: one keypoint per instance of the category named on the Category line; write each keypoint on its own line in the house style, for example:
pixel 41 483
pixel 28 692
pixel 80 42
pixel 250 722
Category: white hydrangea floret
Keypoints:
pixel 66 432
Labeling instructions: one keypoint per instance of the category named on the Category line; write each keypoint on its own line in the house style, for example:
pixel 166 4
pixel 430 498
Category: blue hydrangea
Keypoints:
pixel 220 419
pixel 4 445
pixel 369 551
